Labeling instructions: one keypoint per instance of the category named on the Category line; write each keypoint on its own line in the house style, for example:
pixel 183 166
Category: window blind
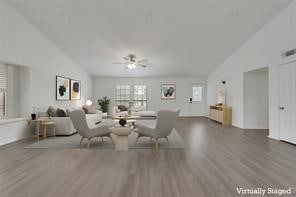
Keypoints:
pixel 3 89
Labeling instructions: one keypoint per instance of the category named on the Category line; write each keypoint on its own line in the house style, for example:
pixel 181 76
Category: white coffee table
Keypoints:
pixel 121 142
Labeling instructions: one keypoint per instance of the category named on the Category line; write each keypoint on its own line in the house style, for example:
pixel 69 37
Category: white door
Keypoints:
pixel 196 99
pixel 288 103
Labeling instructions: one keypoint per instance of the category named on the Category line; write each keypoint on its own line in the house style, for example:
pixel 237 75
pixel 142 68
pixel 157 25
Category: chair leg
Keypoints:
pixel 139 135
pixel 156 143
pixel 81 140
pixel 88 143
pixel 167 139
pixel 111 139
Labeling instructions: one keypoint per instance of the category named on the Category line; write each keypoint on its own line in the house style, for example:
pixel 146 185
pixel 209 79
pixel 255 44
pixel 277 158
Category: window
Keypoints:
pixel 197 93
pixel 3 90
pixel 140 96
pixel 123 95
pixel 137 95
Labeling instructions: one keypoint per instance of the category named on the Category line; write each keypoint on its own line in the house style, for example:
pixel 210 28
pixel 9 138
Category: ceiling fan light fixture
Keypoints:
pixel 131 66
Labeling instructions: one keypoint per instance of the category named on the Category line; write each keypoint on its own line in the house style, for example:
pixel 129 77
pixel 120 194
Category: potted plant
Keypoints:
pixel 104 105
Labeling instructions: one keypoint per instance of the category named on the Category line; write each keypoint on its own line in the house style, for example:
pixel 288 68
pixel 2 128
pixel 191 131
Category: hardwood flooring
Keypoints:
pixel 217 162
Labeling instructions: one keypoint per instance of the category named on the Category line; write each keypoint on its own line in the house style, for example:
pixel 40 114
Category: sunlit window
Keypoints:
pixel 197 93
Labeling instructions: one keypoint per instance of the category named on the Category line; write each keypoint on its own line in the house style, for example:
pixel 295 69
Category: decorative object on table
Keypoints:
pixel 221 97
pixel 75 89
pixel 34 112
pixel 62 88
pixel 168 91
pixel 33 116
pixel 104 104
pixel 88 102
pixel 122 122
pixel 105 115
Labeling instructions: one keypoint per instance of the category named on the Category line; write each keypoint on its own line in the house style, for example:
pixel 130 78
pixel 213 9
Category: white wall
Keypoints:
pixel 13 96
pixel 106 87
pixel 23 44
pixel 13 131
pixel 263 49
pixel 26 45
pixel 1 28
pixel 256 99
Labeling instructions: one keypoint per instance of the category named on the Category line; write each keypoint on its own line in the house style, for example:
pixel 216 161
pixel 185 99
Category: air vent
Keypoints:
pixel 289 53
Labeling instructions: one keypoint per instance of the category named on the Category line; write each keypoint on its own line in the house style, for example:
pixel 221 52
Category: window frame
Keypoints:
pixel 132 90
pixel 202 93
pixel 3 90
pixel 145 95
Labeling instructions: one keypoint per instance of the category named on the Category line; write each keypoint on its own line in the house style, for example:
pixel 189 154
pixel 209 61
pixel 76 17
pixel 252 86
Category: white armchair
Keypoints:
pixel 78 119
pixel 164 125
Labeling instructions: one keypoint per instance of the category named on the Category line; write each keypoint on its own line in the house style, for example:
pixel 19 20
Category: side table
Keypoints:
pixel 121 142
pixel 46 124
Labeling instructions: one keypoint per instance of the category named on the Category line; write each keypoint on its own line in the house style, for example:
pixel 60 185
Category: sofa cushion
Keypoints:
pixel 138 108
pixel 122 108
pixel 89 109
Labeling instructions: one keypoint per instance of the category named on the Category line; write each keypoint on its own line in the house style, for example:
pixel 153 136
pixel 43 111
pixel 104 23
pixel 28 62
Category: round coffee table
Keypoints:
pixel 121 142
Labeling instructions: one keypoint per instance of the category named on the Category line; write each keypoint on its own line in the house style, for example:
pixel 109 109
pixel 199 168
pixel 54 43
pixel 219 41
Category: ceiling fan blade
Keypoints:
pixel 142 60
pixel 119 62
pixel 142 65
pixel 125 58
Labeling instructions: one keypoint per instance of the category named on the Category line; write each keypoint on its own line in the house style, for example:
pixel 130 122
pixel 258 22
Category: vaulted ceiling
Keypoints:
pixel 178 37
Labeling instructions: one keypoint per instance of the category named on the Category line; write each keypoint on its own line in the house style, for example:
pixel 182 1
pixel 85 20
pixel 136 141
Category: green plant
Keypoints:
pixel 104 104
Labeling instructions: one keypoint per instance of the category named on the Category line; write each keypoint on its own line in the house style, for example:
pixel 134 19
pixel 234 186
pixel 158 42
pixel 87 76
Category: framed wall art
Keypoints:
pixel 168 91
pixel 75 89
pixel 62 88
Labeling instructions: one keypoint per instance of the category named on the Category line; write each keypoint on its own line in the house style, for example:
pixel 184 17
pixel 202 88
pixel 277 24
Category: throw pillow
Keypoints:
pixel 89 109
pixel 122 108
pixel 84 107
pixel 52 111
pixel 61 113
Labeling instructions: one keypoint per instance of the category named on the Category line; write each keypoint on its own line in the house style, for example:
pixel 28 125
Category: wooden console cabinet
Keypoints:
pixel 221 114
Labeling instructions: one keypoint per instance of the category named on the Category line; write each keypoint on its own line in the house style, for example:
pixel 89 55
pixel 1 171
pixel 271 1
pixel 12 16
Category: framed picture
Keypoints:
pixel 168 91
pixel 62 88
pixel 75 90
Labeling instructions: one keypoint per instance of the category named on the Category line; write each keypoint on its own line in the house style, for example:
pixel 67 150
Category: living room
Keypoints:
pixel 198 57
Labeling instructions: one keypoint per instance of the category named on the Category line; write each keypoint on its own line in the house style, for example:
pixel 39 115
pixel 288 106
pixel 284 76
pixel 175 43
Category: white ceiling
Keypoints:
pixel 178 37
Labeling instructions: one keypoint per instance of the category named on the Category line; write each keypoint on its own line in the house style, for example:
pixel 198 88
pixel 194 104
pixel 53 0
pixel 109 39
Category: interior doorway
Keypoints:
pixel 256 107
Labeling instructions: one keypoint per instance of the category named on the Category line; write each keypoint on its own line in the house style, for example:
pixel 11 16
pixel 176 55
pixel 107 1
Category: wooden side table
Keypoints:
pixel 46 124
pixel 121 142
pixel 37 130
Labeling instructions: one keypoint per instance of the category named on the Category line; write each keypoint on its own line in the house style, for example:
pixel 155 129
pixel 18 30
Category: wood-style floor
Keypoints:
pixel 218 161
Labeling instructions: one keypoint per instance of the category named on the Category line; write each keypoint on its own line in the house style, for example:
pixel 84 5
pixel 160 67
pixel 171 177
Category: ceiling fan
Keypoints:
pixel 131 62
